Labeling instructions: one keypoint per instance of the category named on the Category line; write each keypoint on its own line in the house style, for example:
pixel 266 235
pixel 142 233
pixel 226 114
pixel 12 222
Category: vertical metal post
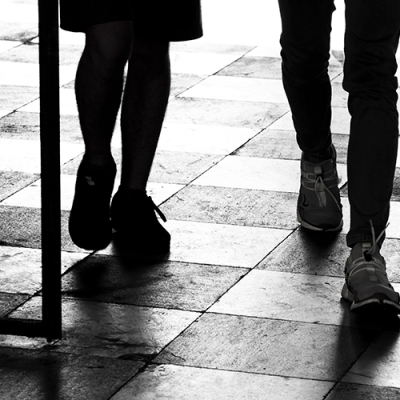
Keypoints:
pixel 50 166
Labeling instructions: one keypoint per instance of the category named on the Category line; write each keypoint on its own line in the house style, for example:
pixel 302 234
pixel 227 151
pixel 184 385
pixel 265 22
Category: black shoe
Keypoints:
pixel 89 221
pixel 138 228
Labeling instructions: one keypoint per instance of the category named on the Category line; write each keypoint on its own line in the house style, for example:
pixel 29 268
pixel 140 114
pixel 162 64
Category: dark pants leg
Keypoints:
pixel 305 40
pixel 372 34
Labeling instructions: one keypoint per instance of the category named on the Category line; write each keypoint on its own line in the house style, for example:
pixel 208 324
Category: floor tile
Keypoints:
pixel 24 155
pixel 239 89
pixel 67 100
pixel 257 173
pixel 21 227
pixel 174 382
pixel 218 244
pixel 224 112
pixel 6 45
pixel 266 346
pixel 282 144
pixel 307 252
pixel 340 121
pixel 293 297
pixel 379 365
pixel 21 268
pixel 180 82
pixel 113 330
pixel 183 286
pixel 346 391
pixel 203 138
pixel 10 301
pixel 26 126
pixel 24 74
pixel 197 63
pixel 12 182
pixel 35 375
pixel 233 206
pixel 13 97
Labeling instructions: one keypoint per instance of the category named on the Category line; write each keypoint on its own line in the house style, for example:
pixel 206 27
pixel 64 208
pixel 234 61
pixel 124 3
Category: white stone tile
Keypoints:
pixel 379 365
pixel 203 138
pixel 340 121
pixel 200 63
pixel 219 244
pixel 24 155
pixel 283 295
pixel 67 104
pixel 257 173
pixel 7 45
pixel 239 88
pixel 392 231
pixel 31 195
pixel 266 51
pixel 182 383
pixel 4 112
pixel 27 74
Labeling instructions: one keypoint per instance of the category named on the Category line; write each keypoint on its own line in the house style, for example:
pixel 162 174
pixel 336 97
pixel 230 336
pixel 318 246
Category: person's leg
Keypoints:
pixel 99 83
pixel 305 40
pixel 143 110
pixel 372 34
pixel 98 92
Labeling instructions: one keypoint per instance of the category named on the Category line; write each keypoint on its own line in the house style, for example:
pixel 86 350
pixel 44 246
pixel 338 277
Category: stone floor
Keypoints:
pixel 246 305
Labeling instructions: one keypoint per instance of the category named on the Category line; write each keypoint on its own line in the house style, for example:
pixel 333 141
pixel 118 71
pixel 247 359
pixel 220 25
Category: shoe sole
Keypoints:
pixel 370 306
pixel 306 225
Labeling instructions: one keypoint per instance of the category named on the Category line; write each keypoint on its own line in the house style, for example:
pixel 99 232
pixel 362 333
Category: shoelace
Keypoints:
pixel 359 264
pixel 157 210
pixel 319 179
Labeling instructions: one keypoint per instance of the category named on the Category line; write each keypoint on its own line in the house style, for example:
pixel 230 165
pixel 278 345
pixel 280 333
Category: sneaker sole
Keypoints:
pixel 306 225
pixel 371 305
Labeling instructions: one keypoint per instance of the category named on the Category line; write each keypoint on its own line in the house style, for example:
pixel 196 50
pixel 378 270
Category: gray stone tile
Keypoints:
pixel 13 181
pixel 224 112
pixel 10 301
pixel 181 82
pixel 254 67
pixel 179 167
pixel 113 330
pixel 36 375
pixel 124 280
pixel 346 391
pixel 233 206
pixel 26 125
pixel 181 383
pixel 21 227
pixel 282 144
pixel 266 346
pixel 11 31
pixel 21 268
pixel 379 365
pixel 311 253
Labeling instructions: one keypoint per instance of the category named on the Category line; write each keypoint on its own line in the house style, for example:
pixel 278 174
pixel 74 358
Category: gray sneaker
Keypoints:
pixel 367 286
pixel 318 205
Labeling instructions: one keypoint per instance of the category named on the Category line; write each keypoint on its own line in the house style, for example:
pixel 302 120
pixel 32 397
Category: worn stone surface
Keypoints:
pixel 174 285
pixel 38 375
pixel 234 206
pixel 181 383
pixel 267 346
pixel 346 391
pixel 10 301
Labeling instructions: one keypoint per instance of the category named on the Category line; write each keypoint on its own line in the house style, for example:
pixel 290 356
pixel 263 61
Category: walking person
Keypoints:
pixel 135 34
pixel 371 40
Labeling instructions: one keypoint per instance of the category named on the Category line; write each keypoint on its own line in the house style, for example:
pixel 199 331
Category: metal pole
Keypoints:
pixel 50 166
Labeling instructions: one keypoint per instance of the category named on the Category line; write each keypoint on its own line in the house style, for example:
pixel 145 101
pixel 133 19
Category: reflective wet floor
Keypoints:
pixel 246 305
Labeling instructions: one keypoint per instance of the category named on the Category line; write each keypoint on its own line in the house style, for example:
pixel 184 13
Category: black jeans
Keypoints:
pixel 371 40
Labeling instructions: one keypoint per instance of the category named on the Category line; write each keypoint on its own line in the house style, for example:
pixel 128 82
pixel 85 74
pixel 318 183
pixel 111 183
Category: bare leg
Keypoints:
pixel 143 110
pixel 98 86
